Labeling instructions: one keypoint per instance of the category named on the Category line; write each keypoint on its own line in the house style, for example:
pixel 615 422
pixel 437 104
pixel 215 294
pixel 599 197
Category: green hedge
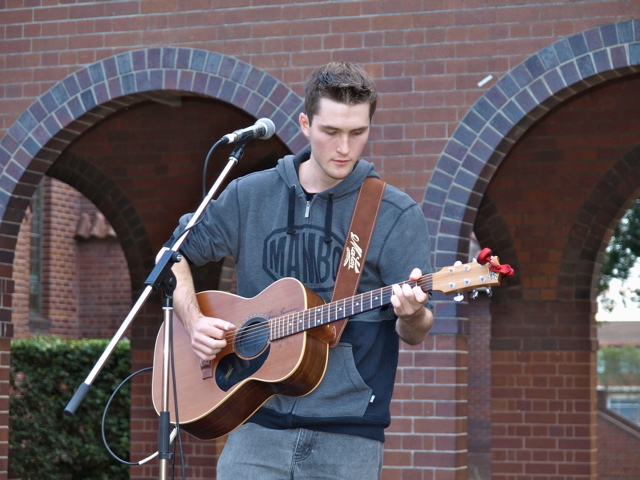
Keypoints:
pixel 44 442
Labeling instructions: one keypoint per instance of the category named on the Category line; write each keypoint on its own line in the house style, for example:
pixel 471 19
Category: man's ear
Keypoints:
pixel 305 125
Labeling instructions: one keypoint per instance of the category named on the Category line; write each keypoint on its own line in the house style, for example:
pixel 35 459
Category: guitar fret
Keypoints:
pixel 339 309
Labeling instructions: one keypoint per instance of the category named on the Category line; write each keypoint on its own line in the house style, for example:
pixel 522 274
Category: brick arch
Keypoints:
pixel 37 140
pixel 597 219
pixel 109 198
pixel 506 111
pixel 492 230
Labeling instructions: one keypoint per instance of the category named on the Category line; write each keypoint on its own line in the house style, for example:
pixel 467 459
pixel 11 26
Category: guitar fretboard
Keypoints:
pixel 297 322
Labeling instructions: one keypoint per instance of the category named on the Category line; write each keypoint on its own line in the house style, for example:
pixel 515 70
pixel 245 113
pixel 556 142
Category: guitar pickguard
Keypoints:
pixel 250 351
pixel 232 369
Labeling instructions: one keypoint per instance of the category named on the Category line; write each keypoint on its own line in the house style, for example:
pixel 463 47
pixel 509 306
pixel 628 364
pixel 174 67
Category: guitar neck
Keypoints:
pixel 297 322
pixel 454 279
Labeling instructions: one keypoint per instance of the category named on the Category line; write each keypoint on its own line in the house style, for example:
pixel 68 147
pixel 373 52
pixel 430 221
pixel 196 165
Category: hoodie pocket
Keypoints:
pixel 342 392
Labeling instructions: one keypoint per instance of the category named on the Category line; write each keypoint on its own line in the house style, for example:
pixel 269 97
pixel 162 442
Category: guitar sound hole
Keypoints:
pixel 252 338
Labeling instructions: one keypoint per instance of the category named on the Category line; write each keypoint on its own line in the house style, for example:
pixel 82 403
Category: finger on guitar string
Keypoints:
pixel 208 336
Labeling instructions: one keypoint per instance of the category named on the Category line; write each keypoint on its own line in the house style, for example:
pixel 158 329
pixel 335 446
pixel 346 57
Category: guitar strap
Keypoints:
pixel 356 246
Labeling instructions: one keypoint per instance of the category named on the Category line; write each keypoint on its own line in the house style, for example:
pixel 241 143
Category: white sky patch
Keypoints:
pixel 624 311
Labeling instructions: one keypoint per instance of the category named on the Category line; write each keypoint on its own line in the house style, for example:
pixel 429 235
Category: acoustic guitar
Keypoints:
pixel 280 345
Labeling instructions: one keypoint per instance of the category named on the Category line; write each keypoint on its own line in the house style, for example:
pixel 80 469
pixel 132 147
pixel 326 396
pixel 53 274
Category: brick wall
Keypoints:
pixel 618 441
pixel 86 287
pixel 104 283
pixel 5 355
pixel 426 393
pixel 60 274
pixel 543 378
pixel 617 452
pixel 428 63
pixel 20 299
pixel 479 380
pixel 540 401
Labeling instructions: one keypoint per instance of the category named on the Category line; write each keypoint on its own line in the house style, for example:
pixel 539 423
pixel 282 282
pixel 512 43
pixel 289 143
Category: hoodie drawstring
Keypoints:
pixel 328 219
pixel 292 211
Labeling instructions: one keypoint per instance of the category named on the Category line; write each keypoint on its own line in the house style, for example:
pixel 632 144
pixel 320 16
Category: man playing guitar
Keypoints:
pixel 292 221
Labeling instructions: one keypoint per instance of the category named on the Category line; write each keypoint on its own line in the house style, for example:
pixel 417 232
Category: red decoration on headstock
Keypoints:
pixel 486 256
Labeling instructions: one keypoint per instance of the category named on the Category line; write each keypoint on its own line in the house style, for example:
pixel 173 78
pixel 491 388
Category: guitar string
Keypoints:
pixel 328 310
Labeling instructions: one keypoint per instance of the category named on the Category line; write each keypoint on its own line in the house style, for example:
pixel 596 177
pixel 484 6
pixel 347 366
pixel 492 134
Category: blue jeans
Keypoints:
pixel 254 452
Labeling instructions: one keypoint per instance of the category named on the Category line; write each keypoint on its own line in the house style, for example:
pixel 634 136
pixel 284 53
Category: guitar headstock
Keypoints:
pixel 486 272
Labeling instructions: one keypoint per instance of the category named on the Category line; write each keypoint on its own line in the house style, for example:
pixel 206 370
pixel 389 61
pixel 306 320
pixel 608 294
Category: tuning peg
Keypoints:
pixel 458 298
pixel 489 292
pixel 473 294
pixel 457 263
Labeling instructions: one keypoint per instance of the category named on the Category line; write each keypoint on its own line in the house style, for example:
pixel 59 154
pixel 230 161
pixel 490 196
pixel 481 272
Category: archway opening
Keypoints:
pixel 550 206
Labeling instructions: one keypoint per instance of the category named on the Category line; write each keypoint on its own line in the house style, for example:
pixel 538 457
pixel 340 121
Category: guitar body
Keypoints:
pixel 215 399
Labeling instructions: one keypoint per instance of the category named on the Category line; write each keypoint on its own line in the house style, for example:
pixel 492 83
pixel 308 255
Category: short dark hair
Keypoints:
pixel 341 82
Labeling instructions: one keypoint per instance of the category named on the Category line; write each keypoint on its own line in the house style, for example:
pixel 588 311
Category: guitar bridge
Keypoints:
pixel 205 369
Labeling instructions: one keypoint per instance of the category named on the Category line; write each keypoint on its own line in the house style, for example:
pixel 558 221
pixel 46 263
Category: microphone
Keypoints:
pixel 262 129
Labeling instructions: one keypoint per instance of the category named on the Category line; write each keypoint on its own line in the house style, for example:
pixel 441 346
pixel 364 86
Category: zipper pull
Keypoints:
pixel 306 211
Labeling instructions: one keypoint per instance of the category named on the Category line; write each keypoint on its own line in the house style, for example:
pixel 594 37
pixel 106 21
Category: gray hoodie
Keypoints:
pixel 266 222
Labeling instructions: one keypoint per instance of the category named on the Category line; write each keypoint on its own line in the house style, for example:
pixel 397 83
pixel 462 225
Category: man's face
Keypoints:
pixel 337 135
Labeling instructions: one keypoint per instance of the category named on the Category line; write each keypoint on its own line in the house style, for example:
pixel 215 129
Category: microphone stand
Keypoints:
pixel 160 277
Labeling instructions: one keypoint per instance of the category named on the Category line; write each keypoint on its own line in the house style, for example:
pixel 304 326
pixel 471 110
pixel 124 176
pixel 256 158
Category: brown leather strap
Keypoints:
pixel 356 246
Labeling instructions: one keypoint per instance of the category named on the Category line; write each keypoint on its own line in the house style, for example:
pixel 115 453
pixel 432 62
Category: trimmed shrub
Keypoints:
pixel 46 443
